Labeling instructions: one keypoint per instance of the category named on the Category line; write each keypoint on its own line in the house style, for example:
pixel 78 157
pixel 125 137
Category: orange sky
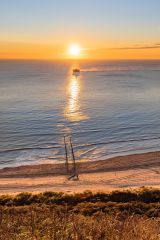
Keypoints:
pixel 9 50
pixel 105 29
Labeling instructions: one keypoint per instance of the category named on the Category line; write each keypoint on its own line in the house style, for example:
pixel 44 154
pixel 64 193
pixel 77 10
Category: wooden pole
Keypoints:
pixel 75 174
pixel 66 152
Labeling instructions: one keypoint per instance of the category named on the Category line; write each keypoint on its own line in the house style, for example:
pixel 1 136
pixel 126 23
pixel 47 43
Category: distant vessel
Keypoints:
pixel 76 71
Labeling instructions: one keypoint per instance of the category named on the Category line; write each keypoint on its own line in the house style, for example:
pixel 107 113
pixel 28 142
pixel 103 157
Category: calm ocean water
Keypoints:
pixel 112 108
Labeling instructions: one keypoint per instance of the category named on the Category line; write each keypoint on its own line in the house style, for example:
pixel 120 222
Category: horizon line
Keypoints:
pixel 80 59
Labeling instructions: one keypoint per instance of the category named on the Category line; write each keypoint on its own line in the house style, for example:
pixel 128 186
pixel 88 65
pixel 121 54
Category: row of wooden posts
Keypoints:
pixel 73 173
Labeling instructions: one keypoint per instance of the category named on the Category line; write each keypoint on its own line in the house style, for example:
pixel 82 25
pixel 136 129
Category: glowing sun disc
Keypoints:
pixel 74 50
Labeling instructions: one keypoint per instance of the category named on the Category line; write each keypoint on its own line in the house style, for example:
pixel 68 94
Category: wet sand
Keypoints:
pixel 124 172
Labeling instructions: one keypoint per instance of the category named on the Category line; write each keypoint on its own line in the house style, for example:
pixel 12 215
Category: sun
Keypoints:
pixel 74 50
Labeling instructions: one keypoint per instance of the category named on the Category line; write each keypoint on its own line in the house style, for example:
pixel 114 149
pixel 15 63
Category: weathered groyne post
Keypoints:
pixel 74 169
pixel 73 173
pixel 66 154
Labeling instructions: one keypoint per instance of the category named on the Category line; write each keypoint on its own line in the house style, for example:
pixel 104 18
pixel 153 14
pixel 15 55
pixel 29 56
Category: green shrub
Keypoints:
pixel 5 199
pixel 149 195
pixel 125 196
pixel 23 199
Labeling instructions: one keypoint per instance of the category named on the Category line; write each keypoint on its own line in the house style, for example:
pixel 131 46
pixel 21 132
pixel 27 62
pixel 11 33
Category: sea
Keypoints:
pixel 112 108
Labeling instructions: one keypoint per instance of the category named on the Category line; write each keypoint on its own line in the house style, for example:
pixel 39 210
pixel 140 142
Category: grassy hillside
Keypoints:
pixel 49 215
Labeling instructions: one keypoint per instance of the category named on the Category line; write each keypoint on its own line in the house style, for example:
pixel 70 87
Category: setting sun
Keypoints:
pixel 74 50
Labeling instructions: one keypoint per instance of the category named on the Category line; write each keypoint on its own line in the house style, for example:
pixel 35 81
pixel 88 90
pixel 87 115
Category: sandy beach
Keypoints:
pixel 124 172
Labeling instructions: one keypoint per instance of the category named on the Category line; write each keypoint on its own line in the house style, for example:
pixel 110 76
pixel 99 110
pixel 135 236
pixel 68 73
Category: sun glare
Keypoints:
pixel 74 50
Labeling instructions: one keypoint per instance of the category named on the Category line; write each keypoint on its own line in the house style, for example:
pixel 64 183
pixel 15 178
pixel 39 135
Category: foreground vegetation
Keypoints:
pixel 56 216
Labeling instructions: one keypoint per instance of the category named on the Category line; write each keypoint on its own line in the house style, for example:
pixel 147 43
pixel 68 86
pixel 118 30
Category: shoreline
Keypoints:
pixel 123 172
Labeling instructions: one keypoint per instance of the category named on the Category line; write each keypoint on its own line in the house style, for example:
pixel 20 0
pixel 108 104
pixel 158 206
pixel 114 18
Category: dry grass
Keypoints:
pixel 46 223
pixel 87 216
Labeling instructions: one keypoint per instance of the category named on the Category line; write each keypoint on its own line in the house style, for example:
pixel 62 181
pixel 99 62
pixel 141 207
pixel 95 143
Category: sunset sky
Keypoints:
pixel 104 29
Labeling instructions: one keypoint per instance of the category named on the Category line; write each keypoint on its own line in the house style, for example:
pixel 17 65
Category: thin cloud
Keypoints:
pixel 157 45
pixel 135 47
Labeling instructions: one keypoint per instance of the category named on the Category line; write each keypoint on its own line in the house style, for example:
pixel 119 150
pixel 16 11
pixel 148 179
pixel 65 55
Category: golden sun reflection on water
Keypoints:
pixel 73 110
